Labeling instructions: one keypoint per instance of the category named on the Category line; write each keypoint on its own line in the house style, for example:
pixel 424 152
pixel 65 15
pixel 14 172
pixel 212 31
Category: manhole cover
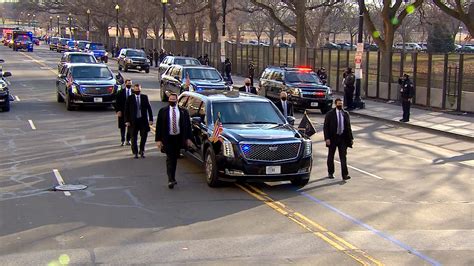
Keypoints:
pixel 70 187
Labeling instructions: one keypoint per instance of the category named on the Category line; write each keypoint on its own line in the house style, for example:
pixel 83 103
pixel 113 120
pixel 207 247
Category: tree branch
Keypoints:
pixel 273 15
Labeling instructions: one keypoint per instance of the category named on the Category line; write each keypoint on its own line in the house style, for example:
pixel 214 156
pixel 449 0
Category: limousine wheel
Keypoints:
pixel 299 182
pixel 211 169
pixel 60 98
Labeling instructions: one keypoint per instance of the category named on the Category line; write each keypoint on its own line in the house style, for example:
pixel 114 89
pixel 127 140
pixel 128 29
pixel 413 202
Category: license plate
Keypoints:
pixel 314 104
pixel 97 100
pixel 273 170
pixel 2 100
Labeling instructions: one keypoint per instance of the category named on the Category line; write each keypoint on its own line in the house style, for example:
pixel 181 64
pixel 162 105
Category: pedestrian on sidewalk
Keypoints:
pixel 407 92
pixel 137 110
pixel 173 132
pixel 122 96
pixel 323 76
pixel 349 87
pixel 156 57
pixel 228 70
pixel 248 88
pixel 162 55
pixel 338 134
pixel 150 56
pixel 251 73
pixel 205 60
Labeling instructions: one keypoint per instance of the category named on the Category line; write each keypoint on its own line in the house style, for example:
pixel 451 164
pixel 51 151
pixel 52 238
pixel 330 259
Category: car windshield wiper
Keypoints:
pixel 264 122
pixel 233 123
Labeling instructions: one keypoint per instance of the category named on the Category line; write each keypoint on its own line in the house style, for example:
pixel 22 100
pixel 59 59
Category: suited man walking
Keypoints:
pixel 120 110
pixel 137 110
pixel 338 134
pixel 248 87
pixel 173 133
pixel 285 107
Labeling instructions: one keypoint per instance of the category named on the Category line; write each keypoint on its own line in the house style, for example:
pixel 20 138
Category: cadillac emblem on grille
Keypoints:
pixel 273 148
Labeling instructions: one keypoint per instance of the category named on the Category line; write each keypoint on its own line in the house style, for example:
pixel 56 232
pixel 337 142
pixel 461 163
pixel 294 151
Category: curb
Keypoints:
pixel 408 125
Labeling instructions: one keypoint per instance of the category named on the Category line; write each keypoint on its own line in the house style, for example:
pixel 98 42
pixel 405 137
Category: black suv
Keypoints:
pixel 201 78
pixel 76 57
pixel 305 89
pixel 176 60
pixel 4 92
pixel 133 59
pixel 257 142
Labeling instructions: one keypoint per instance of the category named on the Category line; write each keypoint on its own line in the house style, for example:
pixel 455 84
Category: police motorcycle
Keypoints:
pixel 5 96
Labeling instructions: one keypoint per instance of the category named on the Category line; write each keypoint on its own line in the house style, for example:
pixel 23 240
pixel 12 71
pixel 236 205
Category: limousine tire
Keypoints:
pixel 210 166
pixel 59 98
pixel 299 182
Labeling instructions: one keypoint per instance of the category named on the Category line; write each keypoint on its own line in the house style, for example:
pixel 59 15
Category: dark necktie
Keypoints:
pixel 173 122
pixel 339 123
pixel 139 109
pixel 285 109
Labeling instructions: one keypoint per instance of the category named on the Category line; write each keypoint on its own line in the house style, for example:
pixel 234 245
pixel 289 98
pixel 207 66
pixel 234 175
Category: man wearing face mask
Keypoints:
pixel 122 96
pixel 248 88
pixel 285 107
pixel 137 110
pixel 338 134
pixel 173 133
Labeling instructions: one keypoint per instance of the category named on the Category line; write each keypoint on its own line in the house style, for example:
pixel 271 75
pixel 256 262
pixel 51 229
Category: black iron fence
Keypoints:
pixel 444 81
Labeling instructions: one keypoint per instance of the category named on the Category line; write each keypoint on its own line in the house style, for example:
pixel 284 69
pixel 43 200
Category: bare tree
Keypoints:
pixel 461 10
pixel 258 24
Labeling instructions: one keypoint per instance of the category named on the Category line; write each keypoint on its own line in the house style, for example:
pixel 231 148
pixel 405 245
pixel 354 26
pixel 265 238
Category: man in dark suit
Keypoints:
pixel 338 134
pixel 285 107
pixel 137 110
pixel 407 92
pixel 248 87
pixel 122 96
pixel 173 133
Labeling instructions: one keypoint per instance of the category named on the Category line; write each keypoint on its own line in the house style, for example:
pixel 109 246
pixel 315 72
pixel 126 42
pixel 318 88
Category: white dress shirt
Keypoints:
pixel 176 110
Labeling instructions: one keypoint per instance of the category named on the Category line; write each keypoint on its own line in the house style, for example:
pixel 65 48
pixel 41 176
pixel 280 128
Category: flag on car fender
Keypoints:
pixel 217 131
pixel 306 127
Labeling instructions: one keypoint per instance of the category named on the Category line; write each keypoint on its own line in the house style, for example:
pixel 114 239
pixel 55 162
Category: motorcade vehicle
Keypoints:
pixel 305 89
pixel 176 60
pixel 22 40
pixel 76 57
pixel 99 51
pixel 201 78
pixel 5 96
pixel 70 46
pixel 81 46
pixel 62 45
pixel 80 84
pixel 53 44
pixel 133 59
pixel 257 142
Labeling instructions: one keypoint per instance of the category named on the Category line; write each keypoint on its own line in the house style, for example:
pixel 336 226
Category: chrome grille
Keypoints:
pixel 94 90
pixel 270 152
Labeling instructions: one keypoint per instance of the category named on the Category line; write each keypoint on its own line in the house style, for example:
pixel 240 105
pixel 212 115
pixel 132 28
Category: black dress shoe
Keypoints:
pixel 128 143
pixel 330 176
pixel 347 177
pixel 403 120
pixel 136 156
pixel 172 184
pixel 142 154
pixel 122 144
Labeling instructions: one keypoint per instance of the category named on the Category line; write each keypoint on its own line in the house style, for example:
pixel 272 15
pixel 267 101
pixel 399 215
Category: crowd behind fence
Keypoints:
pixel 444 81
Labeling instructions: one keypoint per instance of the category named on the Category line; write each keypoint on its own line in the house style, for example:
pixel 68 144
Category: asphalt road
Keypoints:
pixel 409 202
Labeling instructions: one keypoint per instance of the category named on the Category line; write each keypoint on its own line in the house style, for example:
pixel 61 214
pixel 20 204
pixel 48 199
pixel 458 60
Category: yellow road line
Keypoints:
pixel 40 63
pixel 316 229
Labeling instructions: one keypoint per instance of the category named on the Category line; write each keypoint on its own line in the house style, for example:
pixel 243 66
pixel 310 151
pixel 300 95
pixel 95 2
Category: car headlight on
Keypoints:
pixel 106 54
pixel 227 149
pixel 296 92
pixel 129 60
pixel 148 61
pixel 3 85
pixel 74 89
pixel 329 91
pixel 308 148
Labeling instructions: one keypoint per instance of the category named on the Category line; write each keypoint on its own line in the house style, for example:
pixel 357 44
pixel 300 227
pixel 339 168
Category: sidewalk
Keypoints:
pixel 435 121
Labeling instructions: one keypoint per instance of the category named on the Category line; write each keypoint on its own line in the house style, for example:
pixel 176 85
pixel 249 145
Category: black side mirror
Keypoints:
pixel 291 120
pixel 7 74
pixel 196 120
pixel 2 61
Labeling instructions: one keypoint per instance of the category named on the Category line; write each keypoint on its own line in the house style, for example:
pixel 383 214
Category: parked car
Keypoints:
pixel 62 45
pixel 465 49
pixel 409 46
pixel 53 44
pixel 133 59
pixel 305 89
pixel 176 60
pixel 201 78
pixel 331 46
pixel 257 142
pixel 424 47
pixel 99 51
pixel 4 92
pixel 371 47
pixel 76 57
pixel 86 84
pixel 282 45
pixel 347 46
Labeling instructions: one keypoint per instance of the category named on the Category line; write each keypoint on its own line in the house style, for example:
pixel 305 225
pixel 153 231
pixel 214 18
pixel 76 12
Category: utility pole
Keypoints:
pixel 358 103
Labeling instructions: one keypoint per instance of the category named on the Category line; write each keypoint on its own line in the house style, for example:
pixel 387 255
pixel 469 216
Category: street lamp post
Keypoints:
pixel 34 25
pixel 163 3
pixel 29 19
pixel 358 103
pixel 88 23
pixel 69 19
pixel 59 27
pixel 224 7
pixel 50 30
pixel 117 8
pixel 460 33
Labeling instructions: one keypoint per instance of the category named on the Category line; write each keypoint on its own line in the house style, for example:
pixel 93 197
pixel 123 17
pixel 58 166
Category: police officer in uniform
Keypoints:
pixel 406 92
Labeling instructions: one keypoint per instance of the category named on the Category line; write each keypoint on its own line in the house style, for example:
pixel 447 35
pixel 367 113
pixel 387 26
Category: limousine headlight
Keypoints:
pixel 227 149
pixel 308 147
pixel 74 89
